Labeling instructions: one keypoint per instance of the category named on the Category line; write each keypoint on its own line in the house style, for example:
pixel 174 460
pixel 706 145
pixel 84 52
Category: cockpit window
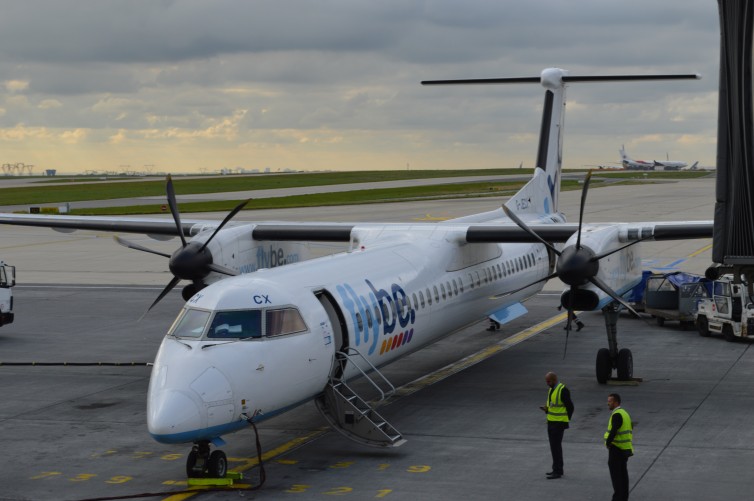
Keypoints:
pixel 190 323
pixel 238 324
pixel 284 321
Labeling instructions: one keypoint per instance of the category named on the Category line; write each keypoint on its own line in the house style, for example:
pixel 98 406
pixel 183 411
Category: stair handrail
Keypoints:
pixel 348 353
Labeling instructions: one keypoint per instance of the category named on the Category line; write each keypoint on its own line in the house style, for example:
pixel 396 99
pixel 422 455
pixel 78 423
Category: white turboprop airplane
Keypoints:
pixel 631 164
pixel 249 347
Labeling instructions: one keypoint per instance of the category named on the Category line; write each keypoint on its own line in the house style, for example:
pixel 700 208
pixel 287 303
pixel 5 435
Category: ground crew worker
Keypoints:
pixel 559 410
pixel 619 442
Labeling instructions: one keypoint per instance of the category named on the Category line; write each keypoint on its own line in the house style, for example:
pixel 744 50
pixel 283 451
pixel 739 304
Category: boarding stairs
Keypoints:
pixel 348 412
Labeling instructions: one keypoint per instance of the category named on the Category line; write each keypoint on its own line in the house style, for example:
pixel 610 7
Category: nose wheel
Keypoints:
pixel 201 463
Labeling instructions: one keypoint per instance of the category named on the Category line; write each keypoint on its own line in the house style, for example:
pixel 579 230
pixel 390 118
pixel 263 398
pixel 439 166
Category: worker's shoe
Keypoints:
pixel 579 326
pixel 552 475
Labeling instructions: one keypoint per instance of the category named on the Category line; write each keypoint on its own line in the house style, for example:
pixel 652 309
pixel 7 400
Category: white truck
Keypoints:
pixel 730 310
pixel 7 281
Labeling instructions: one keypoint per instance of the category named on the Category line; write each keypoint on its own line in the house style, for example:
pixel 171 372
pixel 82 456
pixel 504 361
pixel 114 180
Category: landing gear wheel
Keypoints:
pixel 217 466
pixel 728 333
pixel 660 321
pixel 191 471
pixel 703 325
pixel 604 366
pixel 625 365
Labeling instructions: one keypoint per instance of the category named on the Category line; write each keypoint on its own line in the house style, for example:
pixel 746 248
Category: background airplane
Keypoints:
pixel 631 164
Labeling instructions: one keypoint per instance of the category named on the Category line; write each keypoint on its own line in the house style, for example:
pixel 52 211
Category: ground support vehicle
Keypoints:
pixel 7 281
pixel 730 310
pixel 675 296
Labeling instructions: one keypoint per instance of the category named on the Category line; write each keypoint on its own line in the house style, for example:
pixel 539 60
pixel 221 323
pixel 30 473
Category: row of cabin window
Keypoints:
pixel 494 272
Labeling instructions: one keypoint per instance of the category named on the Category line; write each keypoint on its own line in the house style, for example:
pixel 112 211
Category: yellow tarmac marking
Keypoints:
pixel 703 249
pixel 475 358
pixel 402 391
pixel 430 217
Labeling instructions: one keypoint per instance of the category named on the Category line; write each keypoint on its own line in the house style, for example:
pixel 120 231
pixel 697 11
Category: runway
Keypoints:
pixel 474 429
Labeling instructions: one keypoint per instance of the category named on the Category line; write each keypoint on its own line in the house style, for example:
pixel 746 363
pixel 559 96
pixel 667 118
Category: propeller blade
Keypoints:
pixel 584 190
pixel 528 230
pixel 227 218
pixel 174 209
pixel 223 270
pixel 597 258
pixel 131 245
pixel 164 293
pixel 504 294
pixel 607 290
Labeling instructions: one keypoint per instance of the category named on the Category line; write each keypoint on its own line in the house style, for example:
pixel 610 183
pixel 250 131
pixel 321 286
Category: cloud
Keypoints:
pixel 345 74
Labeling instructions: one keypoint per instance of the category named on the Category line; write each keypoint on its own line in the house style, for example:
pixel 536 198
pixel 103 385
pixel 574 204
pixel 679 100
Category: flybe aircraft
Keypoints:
pixel 250 346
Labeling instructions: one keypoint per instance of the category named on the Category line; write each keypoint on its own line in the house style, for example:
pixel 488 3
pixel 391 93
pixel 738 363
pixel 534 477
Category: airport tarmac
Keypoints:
pixel 474 428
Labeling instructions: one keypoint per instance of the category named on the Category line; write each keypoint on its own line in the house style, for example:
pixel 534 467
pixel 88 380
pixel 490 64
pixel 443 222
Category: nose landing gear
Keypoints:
pixel 203 464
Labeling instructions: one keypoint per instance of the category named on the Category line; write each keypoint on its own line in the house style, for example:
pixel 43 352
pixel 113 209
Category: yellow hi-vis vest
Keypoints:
pixel 624 436
pixel 556 411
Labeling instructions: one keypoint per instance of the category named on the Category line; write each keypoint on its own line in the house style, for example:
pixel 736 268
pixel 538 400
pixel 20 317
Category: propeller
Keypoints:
pixel 577 266
pixel 193 260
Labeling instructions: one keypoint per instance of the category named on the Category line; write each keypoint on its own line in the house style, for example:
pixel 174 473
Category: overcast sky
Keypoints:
pixel 334 84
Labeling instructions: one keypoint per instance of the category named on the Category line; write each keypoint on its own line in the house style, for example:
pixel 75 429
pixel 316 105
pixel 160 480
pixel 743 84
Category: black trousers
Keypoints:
pixel 617 461
pixel 555 432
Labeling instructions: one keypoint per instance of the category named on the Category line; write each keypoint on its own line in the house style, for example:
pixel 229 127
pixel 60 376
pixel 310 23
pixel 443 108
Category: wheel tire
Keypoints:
pixel 625 365
pixel 728 333
pixel 604 366
pixel 191 463
pixel 703 326
pixel 218 465
pixel 660 321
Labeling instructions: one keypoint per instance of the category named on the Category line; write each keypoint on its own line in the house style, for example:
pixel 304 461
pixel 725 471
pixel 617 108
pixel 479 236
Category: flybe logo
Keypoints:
pixel 269 258
pixel 379 313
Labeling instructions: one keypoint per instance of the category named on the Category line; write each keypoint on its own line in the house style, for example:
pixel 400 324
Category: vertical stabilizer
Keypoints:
pixel 550 150
pixel 541 194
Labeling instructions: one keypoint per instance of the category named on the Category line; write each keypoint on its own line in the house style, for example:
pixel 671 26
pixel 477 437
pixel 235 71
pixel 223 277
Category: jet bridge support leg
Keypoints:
pixel 611 358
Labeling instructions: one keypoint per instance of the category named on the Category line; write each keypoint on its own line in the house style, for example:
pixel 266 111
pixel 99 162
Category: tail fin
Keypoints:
pixel 540 195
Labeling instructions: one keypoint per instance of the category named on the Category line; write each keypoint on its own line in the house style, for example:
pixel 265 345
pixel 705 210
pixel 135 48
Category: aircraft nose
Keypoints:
pixel 170 414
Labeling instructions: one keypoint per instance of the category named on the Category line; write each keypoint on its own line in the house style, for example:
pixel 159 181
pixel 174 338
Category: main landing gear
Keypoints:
pixel 611 358
pixel 200 463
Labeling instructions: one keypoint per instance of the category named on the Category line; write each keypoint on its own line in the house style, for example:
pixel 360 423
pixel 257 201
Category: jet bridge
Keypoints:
pixel 733 239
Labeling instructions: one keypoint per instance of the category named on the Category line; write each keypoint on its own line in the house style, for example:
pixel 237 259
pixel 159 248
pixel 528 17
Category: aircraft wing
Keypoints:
pixel 149 226
pixel 493 232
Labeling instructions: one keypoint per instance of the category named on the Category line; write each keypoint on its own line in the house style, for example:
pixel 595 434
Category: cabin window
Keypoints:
pixel 437 295
pixel 421 298
pixel 478 279
pixel 286 321
pixel 499 271
pixel 455 287
pixel 471 281
pixel 416 302
pixel 442 288
pixel 385 312
pixel 368 314
pixel 237 324
pixel 190 323
pixel 429 297
pixel 460 284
